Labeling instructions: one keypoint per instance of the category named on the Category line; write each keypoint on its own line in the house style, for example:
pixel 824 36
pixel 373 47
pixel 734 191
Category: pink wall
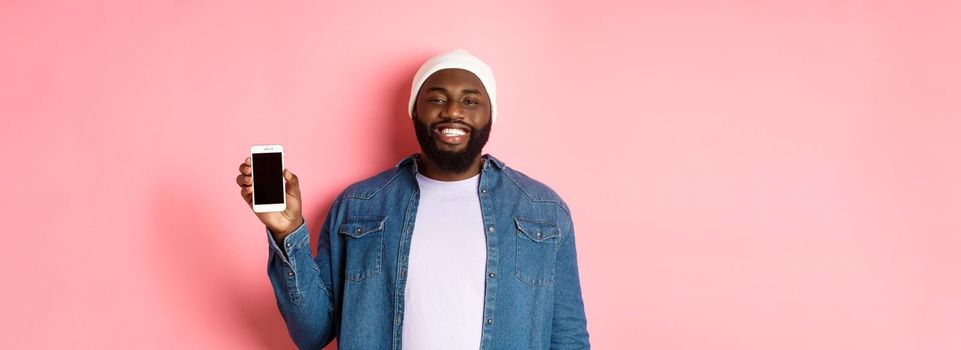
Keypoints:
pixel 745 175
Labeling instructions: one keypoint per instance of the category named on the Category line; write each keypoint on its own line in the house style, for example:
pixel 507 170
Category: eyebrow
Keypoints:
pixel 442 89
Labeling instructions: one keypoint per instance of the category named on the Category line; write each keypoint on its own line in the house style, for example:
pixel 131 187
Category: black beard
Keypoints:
pixel 453 162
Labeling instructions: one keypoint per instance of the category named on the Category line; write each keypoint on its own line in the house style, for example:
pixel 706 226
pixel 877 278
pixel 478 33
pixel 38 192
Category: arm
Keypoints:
pixel 570 323
pixel 302 285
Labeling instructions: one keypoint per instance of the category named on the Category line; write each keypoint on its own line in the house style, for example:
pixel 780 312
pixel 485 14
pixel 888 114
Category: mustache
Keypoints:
pixel 434 125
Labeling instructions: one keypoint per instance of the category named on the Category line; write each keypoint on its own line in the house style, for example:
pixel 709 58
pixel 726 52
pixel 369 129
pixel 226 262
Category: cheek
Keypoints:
pixel 481 117
pixel 426 110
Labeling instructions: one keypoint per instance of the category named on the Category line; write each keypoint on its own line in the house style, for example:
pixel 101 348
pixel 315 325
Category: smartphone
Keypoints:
pixel 267 169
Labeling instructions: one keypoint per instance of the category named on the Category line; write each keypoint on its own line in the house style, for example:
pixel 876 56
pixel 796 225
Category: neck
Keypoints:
pixel 428 168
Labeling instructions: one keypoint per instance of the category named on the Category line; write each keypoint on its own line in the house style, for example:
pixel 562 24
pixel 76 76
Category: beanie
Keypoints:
pixel 456 59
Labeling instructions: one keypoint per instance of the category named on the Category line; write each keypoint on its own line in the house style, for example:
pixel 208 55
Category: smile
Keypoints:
pixel 451 134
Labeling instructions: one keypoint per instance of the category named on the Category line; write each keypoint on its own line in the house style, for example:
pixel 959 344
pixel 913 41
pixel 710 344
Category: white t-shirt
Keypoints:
pixel 444 295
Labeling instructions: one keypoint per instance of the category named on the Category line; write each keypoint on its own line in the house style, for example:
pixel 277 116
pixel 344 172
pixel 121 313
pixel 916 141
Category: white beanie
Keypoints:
pixel 460 59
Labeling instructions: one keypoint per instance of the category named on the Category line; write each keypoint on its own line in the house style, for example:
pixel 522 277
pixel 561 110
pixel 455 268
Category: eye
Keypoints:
pixel 471 102
pixel 436 100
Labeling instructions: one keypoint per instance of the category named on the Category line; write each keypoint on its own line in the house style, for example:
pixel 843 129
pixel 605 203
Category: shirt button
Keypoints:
pixel 360 230
pixel 492 274
pixel 290 273
pixel 490 228
pixel 483 190
pixel 288 244
pixel 490 321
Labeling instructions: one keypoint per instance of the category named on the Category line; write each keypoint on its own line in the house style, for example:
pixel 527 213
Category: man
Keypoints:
pixel 447 250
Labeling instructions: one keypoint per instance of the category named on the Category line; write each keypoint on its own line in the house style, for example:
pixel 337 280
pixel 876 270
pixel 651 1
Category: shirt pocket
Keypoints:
pixel 364 240
pixel 537 242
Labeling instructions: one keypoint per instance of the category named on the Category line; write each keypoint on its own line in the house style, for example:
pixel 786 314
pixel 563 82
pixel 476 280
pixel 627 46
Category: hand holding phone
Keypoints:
pixel 272 191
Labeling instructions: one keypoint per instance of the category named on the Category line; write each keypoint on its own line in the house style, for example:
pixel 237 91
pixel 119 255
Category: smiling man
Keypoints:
pixel 449 249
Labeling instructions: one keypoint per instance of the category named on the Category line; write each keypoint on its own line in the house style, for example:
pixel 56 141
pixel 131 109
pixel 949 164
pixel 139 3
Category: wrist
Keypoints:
pixel 290 229
pixel 279 235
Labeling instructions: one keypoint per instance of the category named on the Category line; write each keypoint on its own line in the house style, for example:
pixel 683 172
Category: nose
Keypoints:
pixel 454 111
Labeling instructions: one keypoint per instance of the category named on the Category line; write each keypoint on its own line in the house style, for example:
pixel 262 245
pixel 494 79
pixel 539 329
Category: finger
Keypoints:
pixel 245 167
pixel 293 183
pixel 248 194
pixel 244 180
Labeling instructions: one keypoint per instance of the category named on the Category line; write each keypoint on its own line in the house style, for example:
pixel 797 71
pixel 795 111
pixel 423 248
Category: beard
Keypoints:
pixel 454 162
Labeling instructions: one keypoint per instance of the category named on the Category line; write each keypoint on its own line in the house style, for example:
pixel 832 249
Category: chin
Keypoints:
pixel 451 148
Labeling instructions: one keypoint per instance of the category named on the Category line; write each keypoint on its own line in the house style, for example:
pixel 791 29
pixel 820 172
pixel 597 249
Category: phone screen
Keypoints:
pixel 268 175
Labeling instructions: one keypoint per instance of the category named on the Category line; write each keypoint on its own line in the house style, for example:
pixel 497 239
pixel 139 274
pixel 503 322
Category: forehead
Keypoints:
pixel 454 79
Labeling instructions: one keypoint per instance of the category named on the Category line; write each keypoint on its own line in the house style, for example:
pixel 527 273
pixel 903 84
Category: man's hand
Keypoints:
pixel 281 223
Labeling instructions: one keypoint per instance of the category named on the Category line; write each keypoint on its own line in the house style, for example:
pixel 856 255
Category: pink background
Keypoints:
pixel 743 174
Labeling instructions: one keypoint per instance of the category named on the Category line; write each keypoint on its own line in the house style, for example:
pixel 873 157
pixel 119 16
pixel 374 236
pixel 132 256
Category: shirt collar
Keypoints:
pixel 488 160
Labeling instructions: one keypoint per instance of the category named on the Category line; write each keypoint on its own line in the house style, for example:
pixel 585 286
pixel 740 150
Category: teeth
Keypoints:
pixel 452 132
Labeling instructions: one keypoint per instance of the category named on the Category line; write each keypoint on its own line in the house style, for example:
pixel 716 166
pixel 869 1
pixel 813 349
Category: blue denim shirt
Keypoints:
pixel 353 289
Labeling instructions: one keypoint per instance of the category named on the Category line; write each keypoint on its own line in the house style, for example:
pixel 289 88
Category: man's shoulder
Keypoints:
pixel 371 186
pixel 532 188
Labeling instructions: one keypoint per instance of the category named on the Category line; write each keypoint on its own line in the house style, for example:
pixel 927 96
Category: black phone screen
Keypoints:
pixel 268 176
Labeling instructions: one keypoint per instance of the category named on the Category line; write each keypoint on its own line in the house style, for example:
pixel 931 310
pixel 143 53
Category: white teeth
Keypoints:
pixel 452 132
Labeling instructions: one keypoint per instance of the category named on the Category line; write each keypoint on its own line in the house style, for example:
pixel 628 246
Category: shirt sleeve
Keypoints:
pixel 300 235
pixel 570 323
pixel 304 301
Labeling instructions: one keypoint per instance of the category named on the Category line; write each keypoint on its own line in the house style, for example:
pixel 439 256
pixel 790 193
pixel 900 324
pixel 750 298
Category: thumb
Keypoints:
pixel 293 184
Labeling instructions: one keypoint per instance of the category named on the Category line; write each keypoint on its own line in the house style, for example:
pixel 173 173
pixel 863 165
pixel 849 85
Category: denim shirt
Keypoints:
pixel 353 289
